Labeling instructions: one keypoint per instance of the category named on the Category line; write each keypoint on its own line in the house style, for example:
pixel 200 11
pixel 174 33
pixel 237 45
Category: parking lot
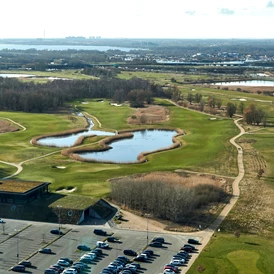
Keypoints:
pixel 21 240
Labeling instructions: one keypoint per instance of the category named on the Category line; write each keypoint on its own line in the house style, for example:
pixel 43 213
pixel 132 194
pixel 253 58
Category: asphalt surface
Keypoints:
pixel 21 240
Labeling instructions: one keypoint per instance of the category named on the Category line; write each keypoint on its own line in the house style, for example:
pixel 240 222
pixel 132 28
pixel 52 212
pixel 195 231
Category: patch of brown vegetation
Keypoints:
pixel 202 217
pixel 6 126
pixel 150 114
pixel 254 212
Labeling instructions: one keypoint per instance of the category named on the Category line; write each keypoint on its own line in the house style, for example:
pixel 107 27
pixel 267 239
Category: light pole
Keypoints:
pixel 147 215
pixel 17 246
pixel 59 217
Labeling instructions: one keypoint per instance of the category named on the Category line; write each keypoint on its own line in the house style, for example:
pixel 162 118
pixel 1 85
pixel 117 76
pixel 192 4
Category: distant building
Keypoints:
pixel 21 192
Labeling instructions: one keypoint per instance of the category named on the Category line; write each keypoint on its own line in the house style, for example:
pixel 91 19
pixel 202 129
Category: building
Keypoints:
pixel 21 192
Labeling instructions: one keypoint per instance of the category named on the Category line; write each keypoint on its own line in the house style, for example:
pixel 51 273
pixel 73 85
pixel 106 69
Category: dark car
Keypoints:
pixel 50 271
pixel 156 244
pixel 124 258
pixel 56 231
pixel 45 250
pixel 83 247
pixel 158 239
pixel 130 252
pixel 18 268
pixel 100 232
pixel 112 239
pixel 187 249
pixel 137 265
pixel 25 263
pixel 193 241
pixel 98 251
pixel 140 259
pixel 191 246
pixel 149 252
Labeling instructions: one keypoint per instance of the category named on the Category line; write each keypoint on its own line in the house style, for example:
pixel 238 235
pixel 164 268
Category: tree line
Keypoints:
pixel 169 201
pixel 31 97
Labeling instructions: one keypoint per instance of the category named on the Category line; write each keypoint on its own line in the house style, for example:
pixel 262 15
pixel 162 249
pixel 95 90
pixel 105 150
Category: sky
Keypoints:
pixel 137 18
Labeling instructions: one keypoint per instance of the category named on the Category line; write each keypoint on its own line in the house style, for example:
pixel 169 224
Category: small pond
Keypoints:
pixel 251 83
pixel 127 150
pixel 15 75
pixel 70 139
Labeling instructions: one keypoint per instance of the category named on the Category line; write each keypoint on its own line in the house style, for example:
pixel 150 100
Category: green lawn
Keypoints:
pixel 225 254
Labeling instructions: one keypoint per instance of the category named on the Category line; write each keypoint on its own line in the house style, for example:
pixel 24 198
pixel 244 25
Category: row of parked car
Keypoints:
pixel 66 266
pixel 181 258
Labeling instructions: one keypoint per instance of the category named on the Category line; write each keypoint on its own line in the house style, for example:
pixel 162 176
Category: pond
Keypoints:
pixel 15 75
pixel 128 150
pixel 70 139
pixel 254 83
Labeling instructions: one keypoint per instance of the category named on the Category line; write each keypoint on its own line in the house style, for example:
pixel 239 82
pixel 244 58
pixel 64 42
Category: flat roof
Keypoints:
pixel 17 186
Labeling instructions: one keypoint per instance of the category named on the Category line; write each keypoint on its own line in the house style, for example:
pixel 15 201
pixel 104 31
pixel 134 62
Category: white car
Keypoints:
pixel 2 221
pixel 176 262
pixel 102 244
pixel 63 263
pixel 90 255
pixel 87 257
pixel 70 271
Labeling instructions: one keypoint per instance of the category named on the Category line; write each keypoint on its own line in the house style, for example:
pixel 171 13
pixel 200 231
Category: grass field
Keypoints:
pixel 205 146
pixel 226 254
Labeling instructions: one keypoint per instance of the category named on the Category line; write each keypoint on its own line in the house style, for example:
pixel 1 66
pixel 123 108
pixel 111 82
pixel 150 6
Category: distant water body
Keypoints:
pixel 61 47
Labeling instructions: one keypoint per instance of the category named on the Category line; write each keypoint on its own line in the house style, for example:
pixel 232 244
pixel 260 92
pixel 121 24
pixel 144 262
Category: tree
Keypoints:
pixel 241 107
pixel 254 115
pixel 190 97
pixel 230 109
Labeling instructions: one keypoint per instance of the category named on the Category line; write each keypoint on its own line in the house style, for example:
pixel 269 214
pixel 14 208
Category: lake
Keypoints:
pixel 254 83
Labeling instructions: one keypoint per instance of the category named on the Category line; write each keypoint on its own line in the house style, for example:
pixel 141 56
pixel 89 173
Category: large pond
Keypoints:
pixel 70 139
pixel 127 150
pixel 254 83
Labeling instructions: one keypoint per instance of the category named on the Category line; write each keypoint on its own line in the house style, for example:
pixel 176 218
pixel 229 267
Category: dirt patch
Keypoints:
pixel 6 126
pixel 150 114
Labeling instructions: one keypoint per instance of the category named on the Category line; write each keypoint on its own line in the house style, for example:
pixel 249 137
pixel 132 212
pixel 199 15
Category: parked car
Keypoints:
pixel 169 271
pixel 130 252
pixel 137 265
pixel 56 231
pixel 112 239
pixel 50 271
pixel 158 239
pixel 124 258
pixel 148 251
pixel 172 267
pixel 25 263
pixel 2 221
pixel 83 247
pixel 156 244
pixel 82 265
pixel 67 259
pixel 98 251
pixel 45 250
pixel 139 259
pixel 63 263
pixel 101 244
pixel 100 232
pixel 193 241
pixel 18 268
pixel 191 246
pixel 57 267
pixel 187 249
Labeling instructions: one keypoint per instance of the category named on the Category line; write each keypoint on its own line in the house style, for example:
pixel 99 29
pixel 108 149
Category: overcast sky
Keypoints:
pixel 137 18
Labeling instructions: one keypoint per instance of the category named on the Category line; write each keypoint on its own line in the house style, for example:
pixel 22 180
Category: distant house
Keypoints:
pixel 21 192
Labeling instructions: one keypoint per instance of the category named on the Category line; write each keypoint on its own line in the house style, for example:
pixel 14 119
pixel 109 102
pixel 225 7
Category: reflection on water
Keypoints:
pixel 127 150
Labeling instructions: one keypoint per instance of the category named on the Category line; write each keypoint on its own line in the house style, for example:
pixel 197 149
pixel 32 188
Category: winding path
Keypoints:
pixel 208 232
